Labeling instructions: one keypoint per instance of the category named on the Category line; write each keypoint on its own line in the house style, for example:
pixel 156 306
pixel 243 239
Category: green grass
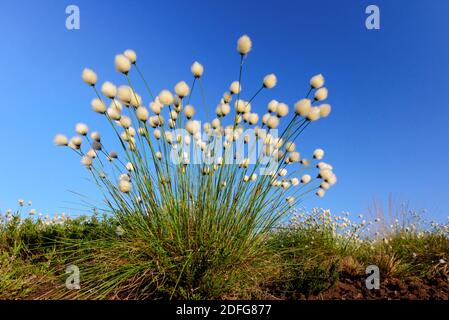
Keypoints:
pixel 306 258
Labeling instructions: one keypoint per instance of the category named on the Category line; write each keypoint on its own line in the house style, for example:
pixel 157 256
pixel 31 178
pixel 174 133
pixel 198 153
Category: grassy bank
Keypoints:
pixel 314 255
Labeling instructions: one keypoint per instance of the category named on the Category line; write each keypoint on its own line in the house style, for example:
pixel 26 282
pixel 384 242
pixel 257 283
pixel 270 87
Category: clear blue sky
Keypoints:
pixel 387 135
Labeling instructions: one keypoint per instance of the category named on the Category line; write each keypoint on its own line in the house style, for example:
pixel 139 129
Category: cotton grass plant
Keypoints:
pixel 195 201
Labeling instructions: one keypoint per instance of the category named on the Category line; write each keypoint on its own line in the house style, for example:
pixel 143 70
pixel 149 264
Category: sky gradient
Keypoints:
pixel 387 134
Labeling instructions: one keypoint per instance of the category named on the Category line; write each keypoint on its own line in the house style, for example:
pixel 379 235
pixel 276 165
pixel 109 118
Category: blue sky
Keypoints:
pixel 387 134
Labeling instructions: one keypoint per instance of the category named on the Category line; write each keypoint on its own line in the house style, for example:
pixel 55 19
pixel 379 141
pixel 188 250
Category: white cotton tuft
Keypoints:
pixel 129 166
pixel 281 110
pixel 96 136
pixel 320 193
pixel 114 113
pixel 302 107
pixel 282 172
pixel 318 154
pixel 165 97
pixel 86 161
pixel 314 114
pixel 272 122
pixel 156 107
pixel 98 105
pixel 306 178
pixel 124 186
pixel 265 118
pixel 182 89
pixel 158 155
pixel 109 89
pixel 317 81
pixel 125 122
pixel 81 129
pixel 157 134
pixel 142 113
pixel 122 63
pixel 253 118
pixel 124 93
pixel 244 45
pixel 235 87
pixel 325 110
pixel 270 81
pixel 189 111
pixel 290 146
pixel 272 106
pixel 89 76
pixel 192 127
pixel 197 69
pixel 131 55
pixel 294 156
pixel 294 181
pixel 60 140
pixel 321 94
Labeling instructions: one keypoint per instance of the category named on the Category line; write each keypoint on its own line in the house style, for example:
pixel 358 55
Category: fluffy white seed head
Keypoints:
pixel 320 193
pixel 294 181
pixel 182 89
pixel 165 97
pixel 294 156
pixel 265 118
pixel 317 81
pixel 253 118
pixel 142 113
pixel 157 134
pixel 81 129
pixel 192 127
pixel 96 136
pixel 290 146
pixel 318 154
pixel 197 69
pixel 124 186
pixel 281 110
pixel 75 143
pixel 302 107
pixel 325 110
pixel 114 113
pixel 314 114
pixel 131 55
pixel 321 94
pixel 270 81
pixel 244 45
pixel 89 76
pixel 225 109
pixel 98 105
pixel 124 93
pixel 86 161
pixel 156 107
pixel 61 140
pixel 235 87
pixel 125 122
pixel 216 123
pixel 189 111
pixel 158 155
pixel 282 172
pixel 109 89
pixel 129 166
pixel 272 122
pixel 306 178
pixel 122 63
pixel 272 106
